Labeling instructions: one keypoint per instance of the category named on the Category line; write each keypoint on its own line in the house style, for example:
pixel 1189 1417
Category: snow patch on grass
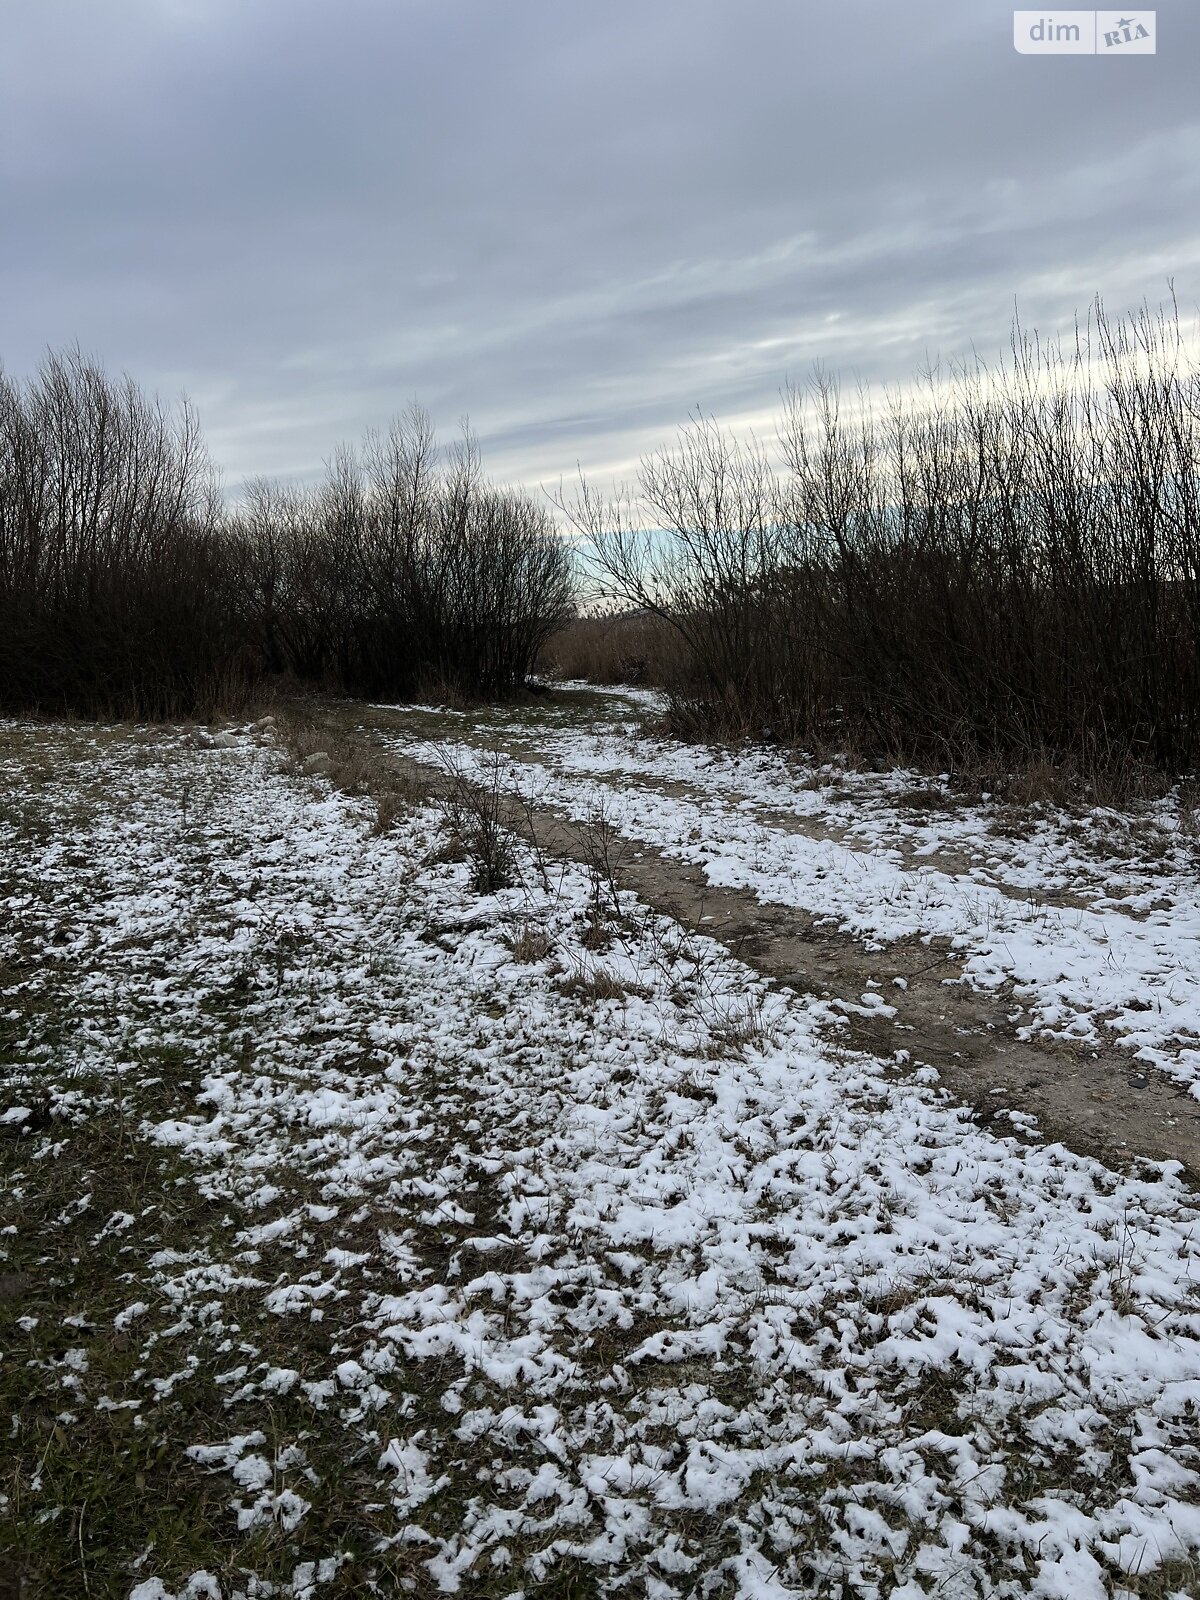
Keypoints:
pixel 458 1274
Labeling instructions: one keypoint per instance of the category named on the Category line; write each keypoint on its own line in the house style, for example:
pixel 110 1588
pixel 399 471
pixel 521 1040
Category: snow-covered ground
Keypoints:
pixel 1092 935
pixel 550 1240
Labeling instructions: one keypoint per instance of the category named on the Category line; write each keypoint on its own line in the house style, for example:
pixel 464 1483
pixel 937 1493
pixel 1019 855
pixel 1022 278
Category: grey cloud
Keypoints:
pixel 574 223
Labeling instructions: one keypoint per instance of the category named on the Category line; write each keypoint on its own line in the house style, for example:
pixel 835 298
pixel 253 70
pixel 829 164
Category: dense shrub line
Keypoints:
pixel 998 564
pixel 127 588
pixel 113 591
pixel 1001 564
pixel 401 569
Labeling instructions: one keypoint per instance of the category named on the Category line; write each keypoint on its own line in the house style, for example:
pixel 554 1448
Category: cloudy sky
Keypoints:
pixel 575 223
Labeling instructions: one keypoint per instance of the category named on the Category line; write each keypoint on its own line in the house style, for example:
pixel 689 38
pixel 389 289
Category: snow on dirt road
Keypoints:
pixel 1096 928
pixel 370 1232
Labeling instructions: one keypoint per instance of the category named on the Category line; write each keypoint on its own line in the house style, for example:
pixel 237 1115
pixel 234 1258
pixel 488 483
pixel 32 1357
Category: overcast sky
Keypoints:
pixel 575 223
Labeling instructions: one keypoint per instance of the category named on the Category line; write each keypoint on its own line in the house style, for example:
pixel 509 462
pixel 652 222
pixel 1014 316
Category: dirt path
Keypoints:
pixel 1095 1101
pixel 1093 1098
pixel 512 734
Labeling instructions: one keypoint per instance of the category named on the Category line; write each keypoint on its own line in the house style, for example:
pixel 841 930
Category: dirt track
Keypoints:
pixel 1095 1099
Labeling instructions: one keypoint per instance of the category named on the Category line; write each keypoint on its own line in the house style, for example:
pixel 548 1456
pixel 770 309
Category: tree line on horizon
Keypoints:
pixel 129 589
pixel 1000 564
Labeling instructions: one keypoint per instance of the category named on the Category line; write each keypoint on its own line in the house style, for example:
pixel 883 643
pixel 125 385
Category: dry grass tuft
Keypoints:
pixel 596 984
pixel 530 944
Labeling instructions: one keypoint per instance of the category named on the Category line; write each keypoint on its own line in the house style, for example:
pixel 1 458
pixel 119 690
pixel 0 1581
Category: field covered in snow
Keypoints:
pixel 371 1230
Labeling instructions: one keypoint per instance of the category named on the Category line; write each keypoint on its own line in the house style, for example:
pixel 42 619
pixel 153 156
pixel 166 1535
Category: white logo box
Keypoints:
pixel 1085 33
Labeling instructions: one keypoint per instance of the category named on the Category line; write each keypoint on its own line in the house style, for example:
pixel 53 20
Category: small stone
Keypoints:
pixel 317 762
pixel 224 741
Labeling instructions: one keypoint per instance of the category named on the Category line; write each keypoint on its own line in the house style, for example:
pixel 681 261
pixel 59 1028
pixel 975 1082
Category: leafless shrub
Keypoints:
pixel 403 569
pixel 115 591
pixel 602 849
pixel 477 819
pixel 1005 566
